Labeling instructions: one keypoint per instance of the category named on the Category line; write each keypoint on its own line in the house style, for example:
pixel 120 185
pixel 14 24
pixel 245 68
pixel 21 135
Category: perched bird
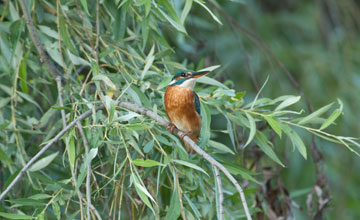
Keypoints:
pixel 182 105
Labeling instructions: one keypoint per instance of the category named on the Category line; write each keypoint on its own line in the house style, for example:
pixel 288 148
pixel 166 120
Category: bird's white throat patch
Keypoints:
pixel 190 83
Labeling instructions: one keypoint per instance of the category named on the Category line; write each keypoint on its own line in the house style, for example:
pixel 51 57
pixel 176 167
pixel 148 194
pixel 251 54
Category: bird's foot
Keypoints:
pixel 184 134
pixel 171 127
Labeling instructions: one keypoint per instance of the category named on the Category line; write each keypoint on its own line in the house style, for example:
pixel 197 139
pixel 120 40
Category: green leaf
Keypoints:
pixel 210 12
pixel 210 81
pixel 315 114
pixel 193 207
pixel 252 125
pixel 149 146
pixel 334 115
pixel 188 164
pixel 85 6
pixel 287 102
pixel 239 171
pixel 205 125
pixel 91 155
pixel 186 10
pixel 174 210
pixel 44 162
pixel 146 163
pixel 29 99
pixel 175 23
pixel 25 202
pixel 220 147
pixel 65 36
pixel 105 80
pixel 15 216
pixel 148 62
pixel 56 209
pixel 264 145
pixel 297 142
pixel 23 77
pixel 4 157
pixel 274 124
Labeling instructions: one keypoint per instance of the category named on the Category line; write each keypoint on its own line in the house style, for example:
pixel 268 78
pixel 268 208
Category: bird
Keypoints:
pixel 182 104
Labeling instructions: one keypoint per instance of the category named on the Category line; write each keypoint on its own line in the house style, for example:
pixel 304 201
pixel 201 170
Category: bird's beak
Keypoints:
pixel 199 74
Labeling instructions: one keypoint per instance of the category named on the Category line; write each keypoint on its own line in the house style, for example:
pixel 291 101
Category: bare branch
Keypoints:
pixel 152 115
pixel 88 175
pixel 44 57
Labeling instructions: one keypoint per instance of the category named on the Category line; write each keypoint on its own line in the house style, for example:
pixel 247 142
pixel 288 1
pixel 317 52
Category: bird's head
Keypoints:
pixel 186 78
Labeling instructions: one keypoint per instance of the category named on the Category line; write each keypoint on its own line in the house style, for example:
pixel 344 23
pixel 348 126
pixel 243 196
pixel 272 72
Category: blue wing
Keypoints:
pixel 197 103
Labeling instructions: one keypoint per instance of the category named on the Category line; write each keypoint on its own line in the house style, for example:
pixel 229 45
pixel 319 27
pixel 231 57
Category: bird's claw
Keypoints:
pixel 183 135
pixel 171 128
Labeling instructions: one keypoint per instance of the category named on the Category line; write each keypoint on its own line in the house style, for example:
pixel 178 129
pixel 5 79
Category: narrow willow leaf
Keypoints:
pixel 29 99
pixel 315 114
pixel 143 197
pixel 262 142
pixel 210 81
pixel 177 25
pixel 42 163
pixel 191 165
pixel 148 62
pixel 287 102
pixel 252 125
pixel 149 146
pixel 193 207
pixel 175 208
pixel 146 163
pixel 239 171
pixel 257 95
pixel 91 155
pixel 84 4
pixel 297 142
pixel 71 151
pixel 56 209
pixel 26 202
pixel 205 125
pixel 186 10
pixel 4 157
pixel 274 124
pixel 15 216
pixel 220 147
pixel 210 12
pixel 334 115
pixel 23 77
pixel 105 80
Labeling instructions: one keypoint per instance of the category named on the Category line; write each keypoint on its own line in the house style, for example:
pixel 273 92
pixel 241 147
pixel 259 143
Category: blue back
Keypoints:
pixel 197 103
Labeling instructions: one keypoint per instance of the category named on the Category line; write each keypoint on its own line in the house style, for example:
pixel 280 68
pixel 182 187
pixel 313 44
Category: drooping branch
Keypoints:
pixel 44 57
pixel 156 117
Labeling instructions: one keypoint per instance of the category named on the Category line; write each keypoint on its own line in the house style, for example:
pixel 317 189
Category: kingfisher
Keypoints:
pixel 182 104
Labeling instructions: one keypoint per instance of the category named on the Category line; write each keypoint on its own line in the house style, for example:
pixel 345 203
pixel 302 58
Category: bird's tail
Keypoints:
pixel 188 147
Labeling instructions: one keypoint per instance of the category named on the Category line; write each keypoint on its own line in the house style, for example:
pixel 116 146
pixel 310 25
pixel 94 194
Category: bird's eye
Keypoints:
pixel 183 74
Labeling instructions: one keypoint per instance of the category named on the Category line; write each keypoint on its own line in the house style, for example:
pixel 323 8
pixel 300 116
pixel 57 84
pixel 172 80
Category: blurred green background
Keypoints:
pixel 317 42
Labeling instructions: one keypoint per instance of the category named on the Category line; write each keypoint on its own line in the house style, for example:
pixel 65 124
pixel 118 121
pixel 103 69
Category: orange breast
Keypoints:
pixel 181 111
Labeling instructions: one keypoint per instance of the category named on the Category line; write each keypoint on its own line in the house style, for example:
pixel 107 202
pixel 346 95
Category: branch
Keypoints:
pixel 47 146
pixel 143 111
pixel 194 146
pixel 44 57
pixel 88 175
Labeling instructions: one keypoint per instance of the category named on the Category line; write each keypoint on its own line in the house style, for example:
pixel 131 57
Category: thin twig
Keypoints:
pixel 44 57
pixel 221 195
pixel 63 116
pixel 61 103
pixel 195 147
pixel 88 176
pixel 47 146
pixel 160 120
